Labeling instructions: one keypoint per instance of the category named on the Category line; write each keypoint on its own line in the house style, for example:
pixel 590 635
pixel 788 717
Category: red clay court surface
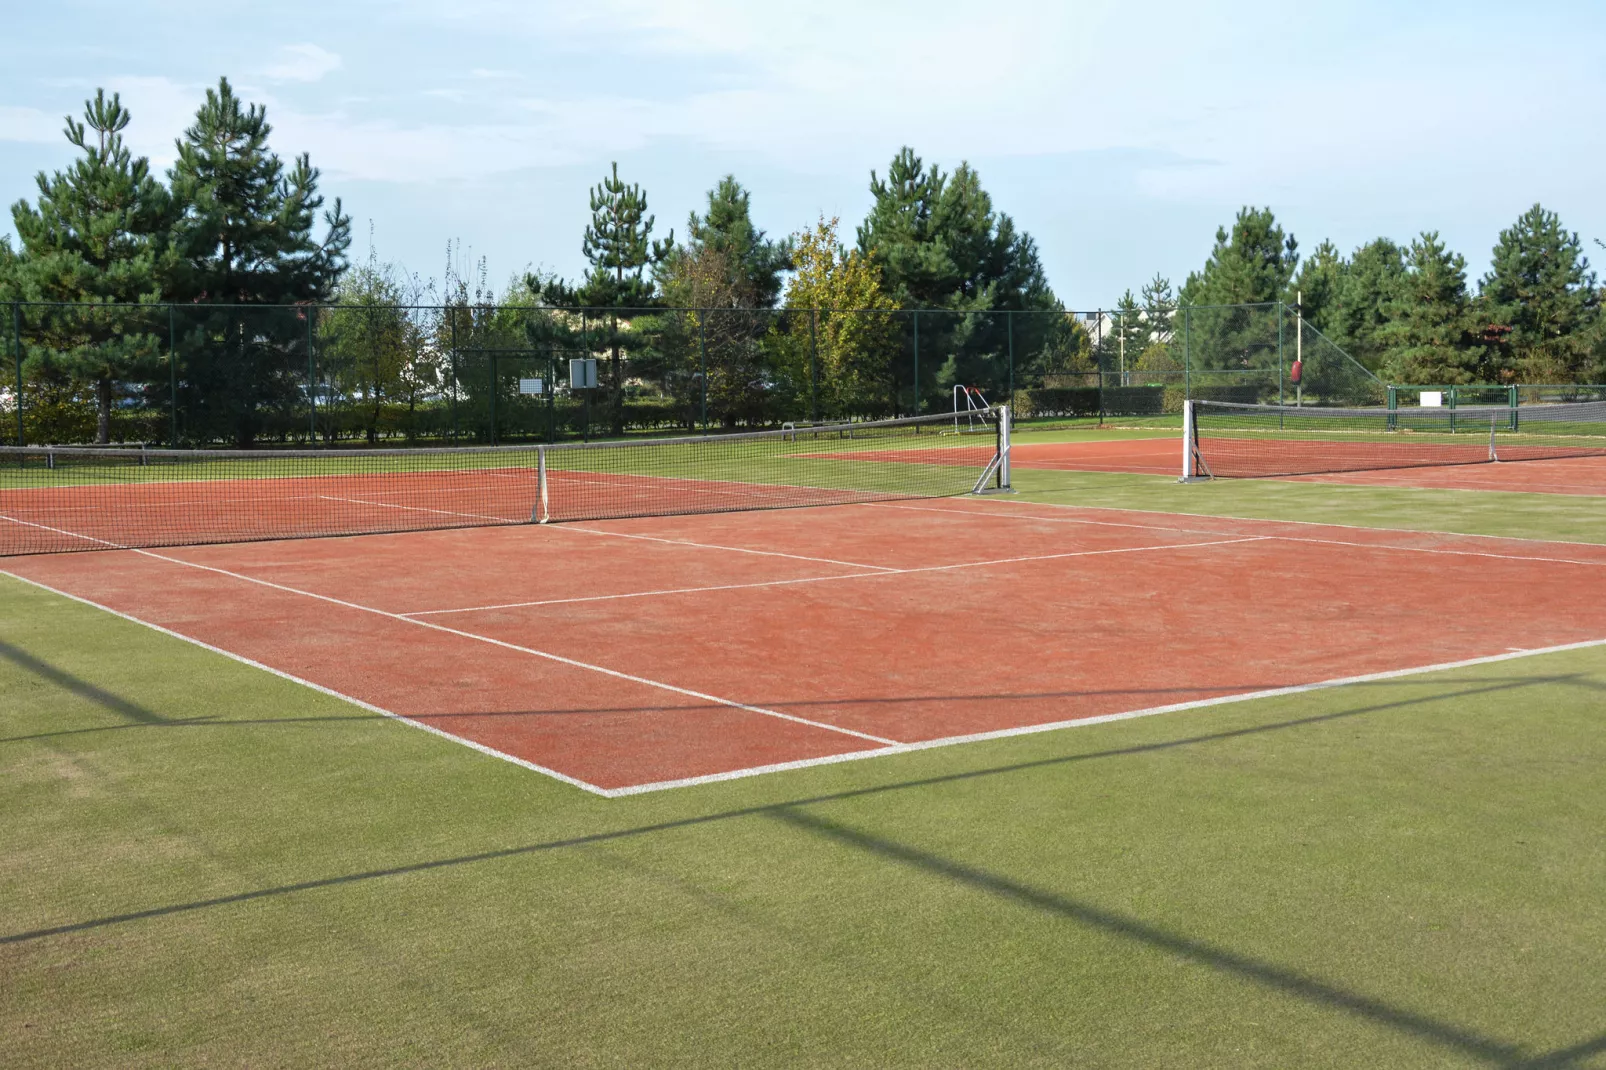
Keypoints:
pixel 630 655
pixel 1163 456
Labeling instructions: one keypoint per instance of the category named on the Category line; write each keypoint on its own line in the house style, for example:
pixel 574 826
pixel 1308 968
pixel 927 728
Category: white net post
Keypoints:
pixel 1187 441
pixel 1004 430
pixel 542 512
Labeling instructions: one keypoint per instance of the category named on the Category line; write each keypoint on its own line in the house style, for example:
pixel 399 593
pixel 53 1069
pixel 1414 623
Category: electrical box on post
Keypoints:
pixel 583 373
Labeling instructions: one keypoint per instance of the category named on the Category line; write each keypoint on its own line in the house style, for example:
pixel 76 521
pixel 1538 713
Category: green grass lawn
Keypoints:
pixel 204 864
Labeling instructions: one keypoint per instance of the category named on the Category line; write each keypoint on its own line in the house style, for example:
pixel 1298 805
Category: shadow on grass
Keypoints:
pixel 134 714
pixel 150 719
pixel 1268 975
pixel 790 812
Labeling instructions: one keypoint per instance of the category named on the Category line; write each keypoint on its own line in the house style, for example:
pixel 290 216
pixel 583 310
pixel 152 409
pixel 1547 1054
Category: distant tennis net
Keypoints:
pixel 65 499
pixel 1275 440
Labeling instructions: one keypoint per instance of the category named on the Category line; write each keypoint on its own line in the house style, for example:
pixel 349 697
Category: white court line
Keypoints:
pixel 547 655
pixel 63 531
pixel 1280 538
pixel 482 748
pixel 890 749
pixel 848 576
pixel 712 546
pixel 1264 520
pixel 1054 726
pixel 422 509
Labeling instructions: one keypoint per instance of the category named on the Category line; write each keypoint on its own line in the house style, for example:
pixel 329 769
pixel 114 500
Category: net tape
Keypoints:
pixel 78 498
pixel 1279 440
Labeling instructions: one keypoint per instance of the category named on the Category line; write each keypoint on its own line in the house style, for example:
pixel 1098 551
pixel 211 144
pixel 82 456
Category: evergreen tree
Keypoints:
pixel 97 237
pixel 752 263
pixel 1160 306
pixel 1358 311
pixel 1129 337
pixel 940 244
pixel 1317 285
pixel 620 246
pixel 1249 270
pixel 247 238
pixel 1541 296
pixel 1252 263
pixel 1430 330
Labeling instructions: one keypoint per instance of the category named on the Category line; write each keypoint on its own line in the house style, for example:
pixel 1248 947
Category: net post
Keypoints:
pixel 1187 440
pixel 1004 431
pixel 542 512
pixel 1493 423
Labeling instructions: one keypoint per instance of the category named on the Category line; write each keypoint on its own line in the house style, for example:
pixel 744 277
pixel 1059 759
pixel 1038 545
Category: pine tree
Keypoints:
pixel 752 263
pixel 1430 332
pixel 1252 263
pixel 940 245
pixel 730 272
pixel 1540 295
pixel 620 246
pixel 247 238
pixel 1234 319
pixel 98 236
pixel 1358 311
pixel 1317 284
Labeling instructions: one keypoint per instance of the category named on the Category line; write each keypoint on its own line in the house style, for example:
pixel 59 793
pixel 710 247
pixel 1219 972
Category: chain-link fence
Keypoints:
pixel 241 375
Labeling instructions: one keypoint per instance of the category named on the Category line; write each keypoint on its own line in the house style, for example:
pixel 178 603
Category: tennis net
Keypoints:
pixel 1274 440
pixel 69 498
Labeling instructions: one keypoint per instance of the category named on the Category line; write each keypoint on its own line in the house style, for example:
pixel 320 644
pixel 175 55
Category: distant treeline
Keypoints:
pixel 231 226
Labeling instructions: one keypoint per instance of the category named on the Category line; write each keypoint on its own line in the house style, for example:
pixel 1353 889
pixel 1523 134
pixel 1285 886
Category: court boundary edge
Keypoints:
pixel 320 688
pixel 847 756
pixel 1267 520
pixel 1106 718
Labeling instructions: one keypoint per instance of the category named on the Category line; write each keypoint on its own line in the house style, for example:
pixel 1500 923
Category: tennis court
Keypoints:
pixel 1555 449
pixel 627 655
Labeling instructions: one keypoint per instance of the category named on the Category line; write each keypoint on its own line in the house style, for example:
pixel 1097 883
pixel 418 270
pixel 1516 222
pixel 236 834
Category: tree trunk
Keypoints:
pixel 103 411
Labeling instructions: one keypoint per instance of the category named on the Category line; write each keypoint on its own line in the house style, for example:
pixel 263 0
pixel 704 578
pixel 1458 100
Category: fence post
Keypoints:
pixel 172 377
pixel 814 365
pixel 1098 359
pixel 1281 313
pixel 16 352
pixel 495 389
pixel 917 363
pixel 457 384
pixel 702 363
pixel 312 383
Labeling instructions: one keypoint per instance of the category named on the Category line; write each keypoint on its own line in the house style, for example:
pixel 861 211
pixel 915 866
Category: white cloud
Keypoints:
pixel 28 124
pixel 302 63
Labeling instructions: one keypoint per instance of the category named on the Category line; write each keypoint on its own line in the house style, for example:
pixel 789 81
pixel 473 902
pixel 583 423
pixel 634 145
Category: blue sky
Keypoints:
pixel 1118 134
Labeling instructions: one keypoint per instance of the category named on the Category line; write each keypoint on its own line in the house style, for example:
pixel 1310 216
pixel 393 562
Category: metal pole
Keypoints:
pixel 1299 352
pixel 1282 312
pixel 1009 330
pixel 917 363
pixel 1098 359
pixel 702 363
pixel 172 378
pixel 1121 339
pixel 16 351
pixel 1187 357
pixel 814 364
pixel 456 382
pixel 495 389
pixel 312 382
